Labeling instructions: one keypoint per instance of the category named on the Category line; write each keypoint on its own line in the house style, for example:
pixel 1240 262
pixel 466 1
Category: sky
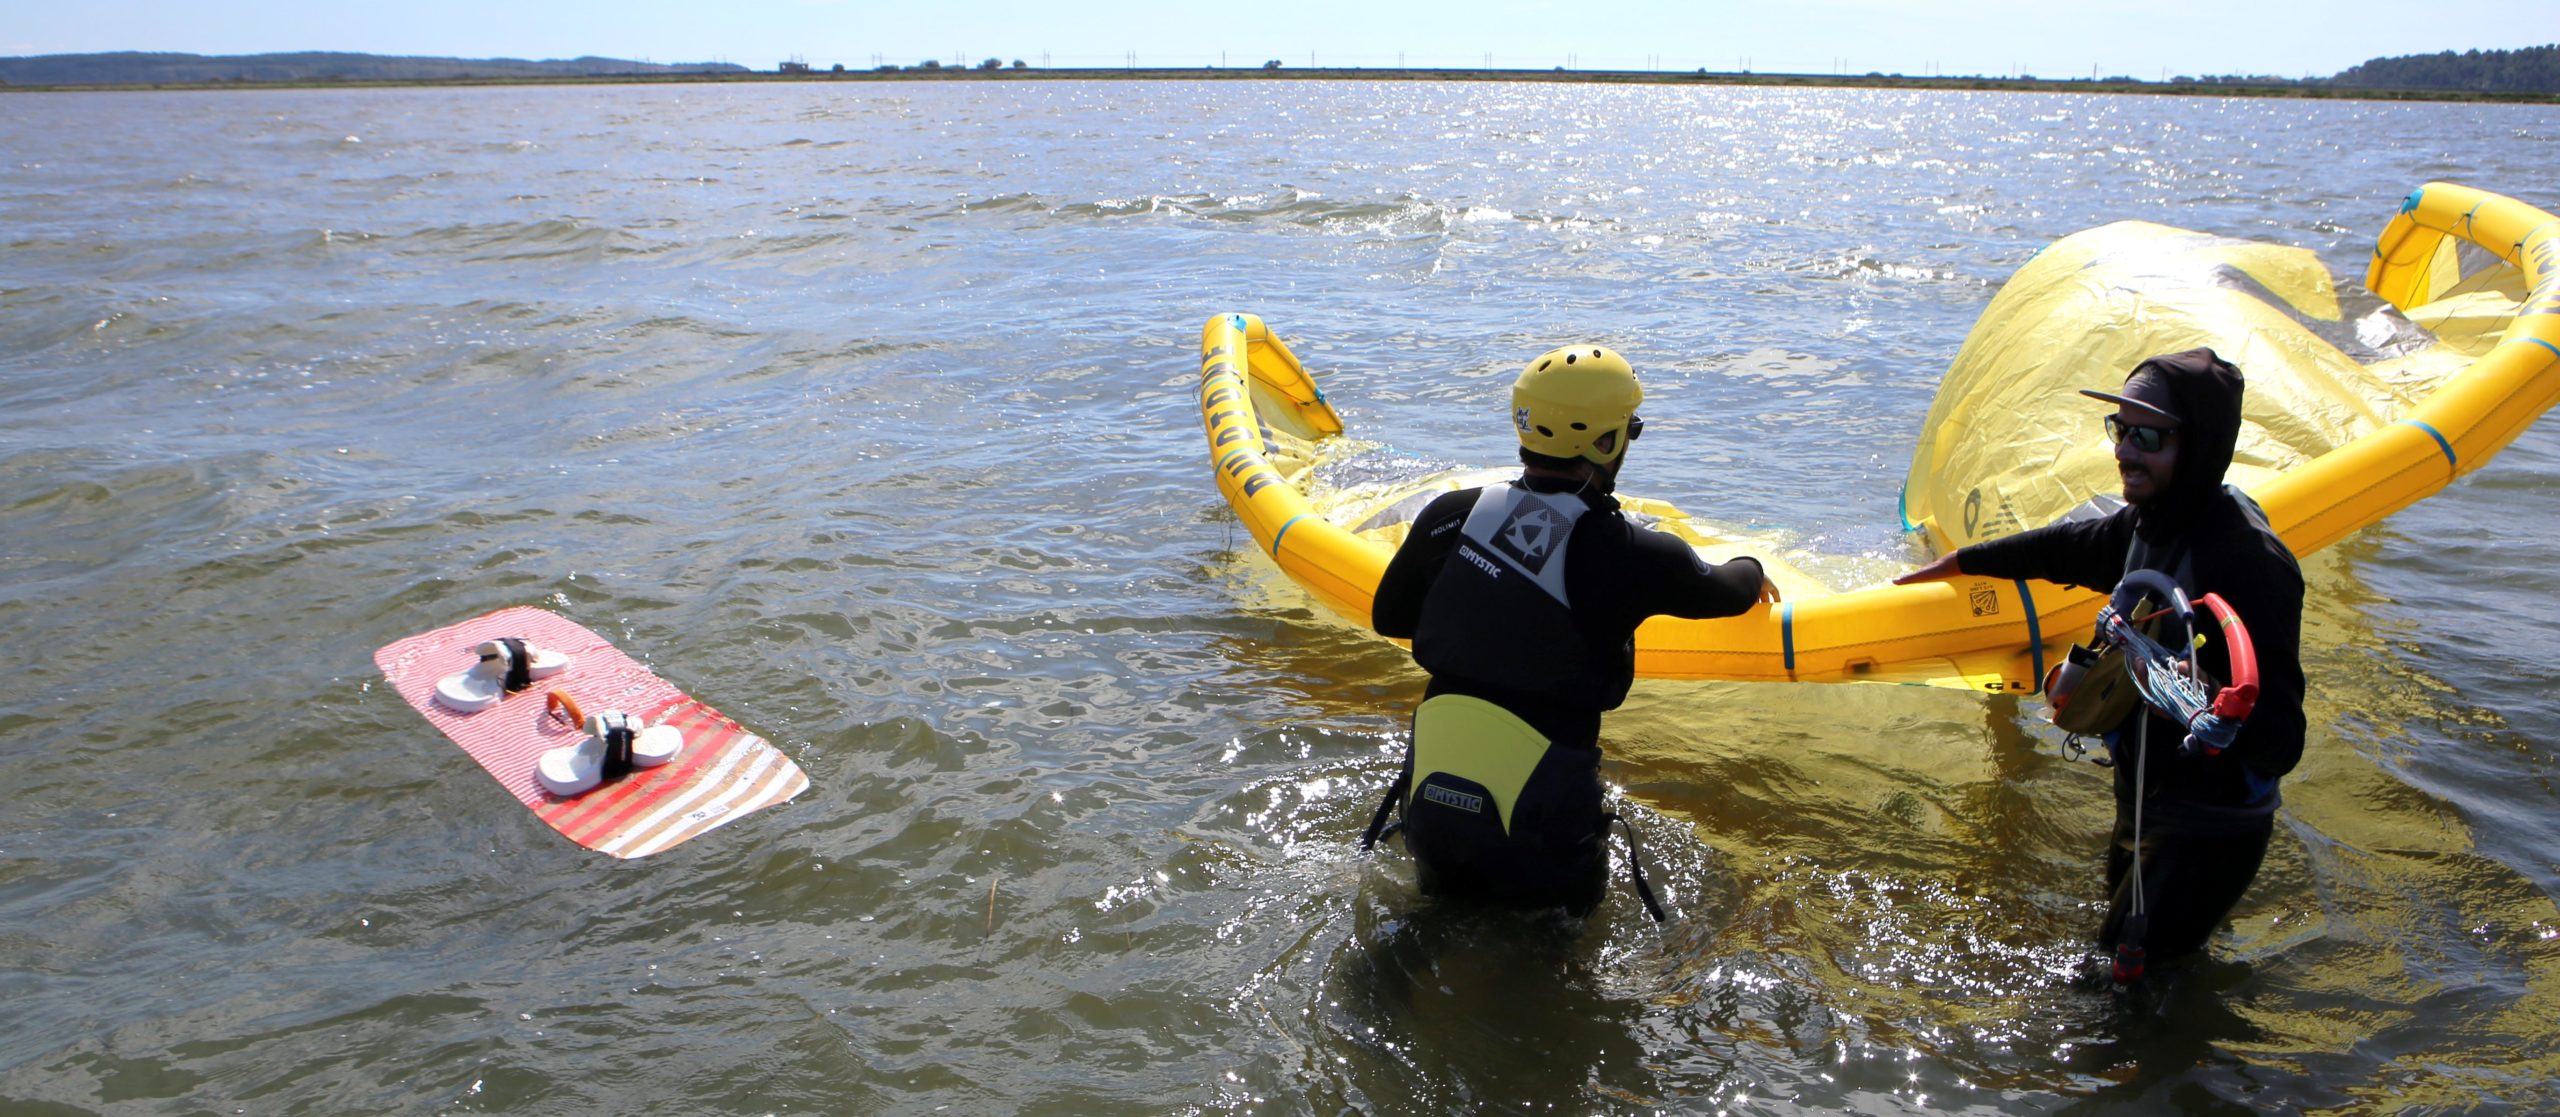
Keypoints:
pixel 2148 39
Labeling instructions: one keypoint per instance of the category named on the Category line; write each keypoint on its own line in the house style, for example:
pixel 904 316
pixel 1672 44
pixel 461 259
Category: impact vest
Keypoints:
pixel 1498 613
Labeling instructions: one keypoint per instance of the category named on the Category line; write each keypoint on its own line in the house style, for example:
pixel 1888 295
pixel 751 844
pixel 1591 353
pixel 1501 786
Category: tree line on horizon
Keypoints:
pixel 174 68
pixel 2530 70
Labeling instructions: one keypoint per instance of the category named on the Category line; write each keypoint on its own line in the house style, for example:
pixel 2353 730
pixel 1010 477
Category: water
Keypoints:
pixel 865 413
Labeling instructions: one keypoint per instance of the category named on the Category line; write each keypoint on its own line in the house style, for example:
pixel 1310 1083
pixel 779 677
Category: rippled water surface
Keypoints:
pixel 864 412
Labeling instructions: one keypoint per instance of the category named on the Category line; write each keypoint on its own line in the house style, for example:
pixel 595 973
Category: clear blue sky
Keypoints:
pixel 2045 38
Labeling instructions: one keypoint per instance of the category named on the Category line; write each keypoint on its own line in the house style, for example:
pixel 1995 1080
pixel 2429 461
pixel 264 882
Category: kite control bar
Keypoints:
pixel 2171 683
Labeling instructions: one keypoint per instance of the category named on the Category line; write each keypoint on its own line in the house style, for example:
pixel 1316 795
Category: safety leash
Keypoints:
pixel 1635 867
pixel 2137 923
pixel 1379 827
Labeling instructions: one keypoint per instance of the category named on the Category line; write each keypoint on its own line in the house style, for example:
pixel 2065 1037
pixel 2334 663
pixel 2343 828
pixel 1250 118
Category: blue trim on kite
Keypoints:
pixel 1238 319
pixel 1283 533
pixel 2441 444
pixel 2555 349
pixel 2035 630
pixel 1787 633
pixel 1902 507
pixel 2410 203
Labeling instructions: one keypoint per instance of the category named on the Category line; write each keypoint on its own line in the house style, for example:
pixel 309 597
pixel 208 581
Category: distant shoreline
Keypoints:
pixel 1600 77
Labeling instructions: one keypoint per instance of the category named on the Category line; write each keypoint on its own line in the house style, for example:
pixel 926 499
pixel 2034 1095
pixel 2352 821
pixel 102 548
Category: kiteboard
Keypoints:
pixel 723 772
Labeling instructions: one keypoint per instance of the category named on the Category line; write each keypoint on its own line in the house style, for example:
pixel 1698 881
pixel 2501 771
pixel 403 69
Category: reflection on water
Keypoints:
pixel 1479 1011
pixel 864 414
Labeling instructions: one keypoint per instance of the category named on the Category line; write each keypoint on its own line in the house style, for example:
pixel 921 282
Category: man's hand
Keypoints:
pixel 1939 569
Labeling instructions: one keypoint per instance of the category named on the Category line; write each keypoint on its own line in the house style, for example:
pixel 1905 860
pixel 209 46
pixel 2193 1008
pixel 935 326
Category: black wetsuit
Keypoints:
pixel 2205 820
pixel 1554 663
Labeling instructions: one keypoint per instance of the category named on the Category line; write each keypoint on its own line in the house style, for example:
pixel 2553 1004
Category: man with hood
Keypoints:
pixel 2203 820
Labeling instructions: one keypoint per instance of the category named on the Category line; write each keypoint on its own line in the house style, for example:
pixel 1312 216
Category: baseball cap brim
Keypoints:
pixel 2136 405
pixel 2145 393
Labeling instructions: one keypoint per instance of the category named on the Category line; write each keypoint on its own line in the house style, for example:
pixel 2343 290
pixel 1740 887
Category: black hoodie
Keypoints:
pixel 2214 540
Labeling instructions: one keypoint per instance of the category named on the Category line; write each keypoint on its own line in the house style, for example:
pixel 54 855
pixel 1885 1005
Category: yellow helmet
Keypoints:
pixel 1576 402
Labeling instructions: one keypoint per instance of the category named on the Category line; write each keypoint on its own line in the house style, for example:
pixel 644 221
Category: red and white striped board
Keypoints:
pixel 723 774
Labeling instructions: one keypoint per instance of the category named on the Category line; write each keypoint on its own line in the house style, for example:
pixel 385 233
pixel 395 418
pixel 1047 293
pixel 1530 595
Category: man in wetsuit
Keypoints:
pixel 2204 819
pixel 1522 601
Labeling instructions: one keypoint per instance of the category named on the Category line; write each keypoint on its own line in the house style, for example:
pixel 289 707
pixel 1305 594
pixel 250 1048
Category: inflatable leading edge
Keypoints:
pixel 2330 445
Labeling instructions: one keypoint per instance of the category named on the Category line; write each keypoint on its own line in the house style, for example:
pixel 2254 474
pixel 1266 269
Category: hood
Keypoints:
pixel 2207 391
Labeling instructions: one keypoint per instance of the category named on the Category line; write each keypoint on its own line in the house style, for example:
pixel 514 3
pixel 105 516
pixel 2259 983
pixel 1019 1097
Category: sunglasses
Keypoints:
pixel 1607 443
pixel 2149 440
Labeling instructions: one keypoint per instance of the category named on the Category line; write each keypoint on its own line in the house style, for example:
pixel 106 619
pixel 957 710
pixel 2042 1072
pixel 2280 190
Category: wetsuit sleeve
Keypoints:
pixel 1397 610
pixel 1671 580
pixel 2086 553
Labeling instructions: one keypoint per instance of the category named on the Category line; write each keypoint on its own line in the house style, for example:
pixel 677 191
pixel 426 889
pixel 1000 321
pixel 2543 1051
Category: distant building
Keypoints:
pixel 795 67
